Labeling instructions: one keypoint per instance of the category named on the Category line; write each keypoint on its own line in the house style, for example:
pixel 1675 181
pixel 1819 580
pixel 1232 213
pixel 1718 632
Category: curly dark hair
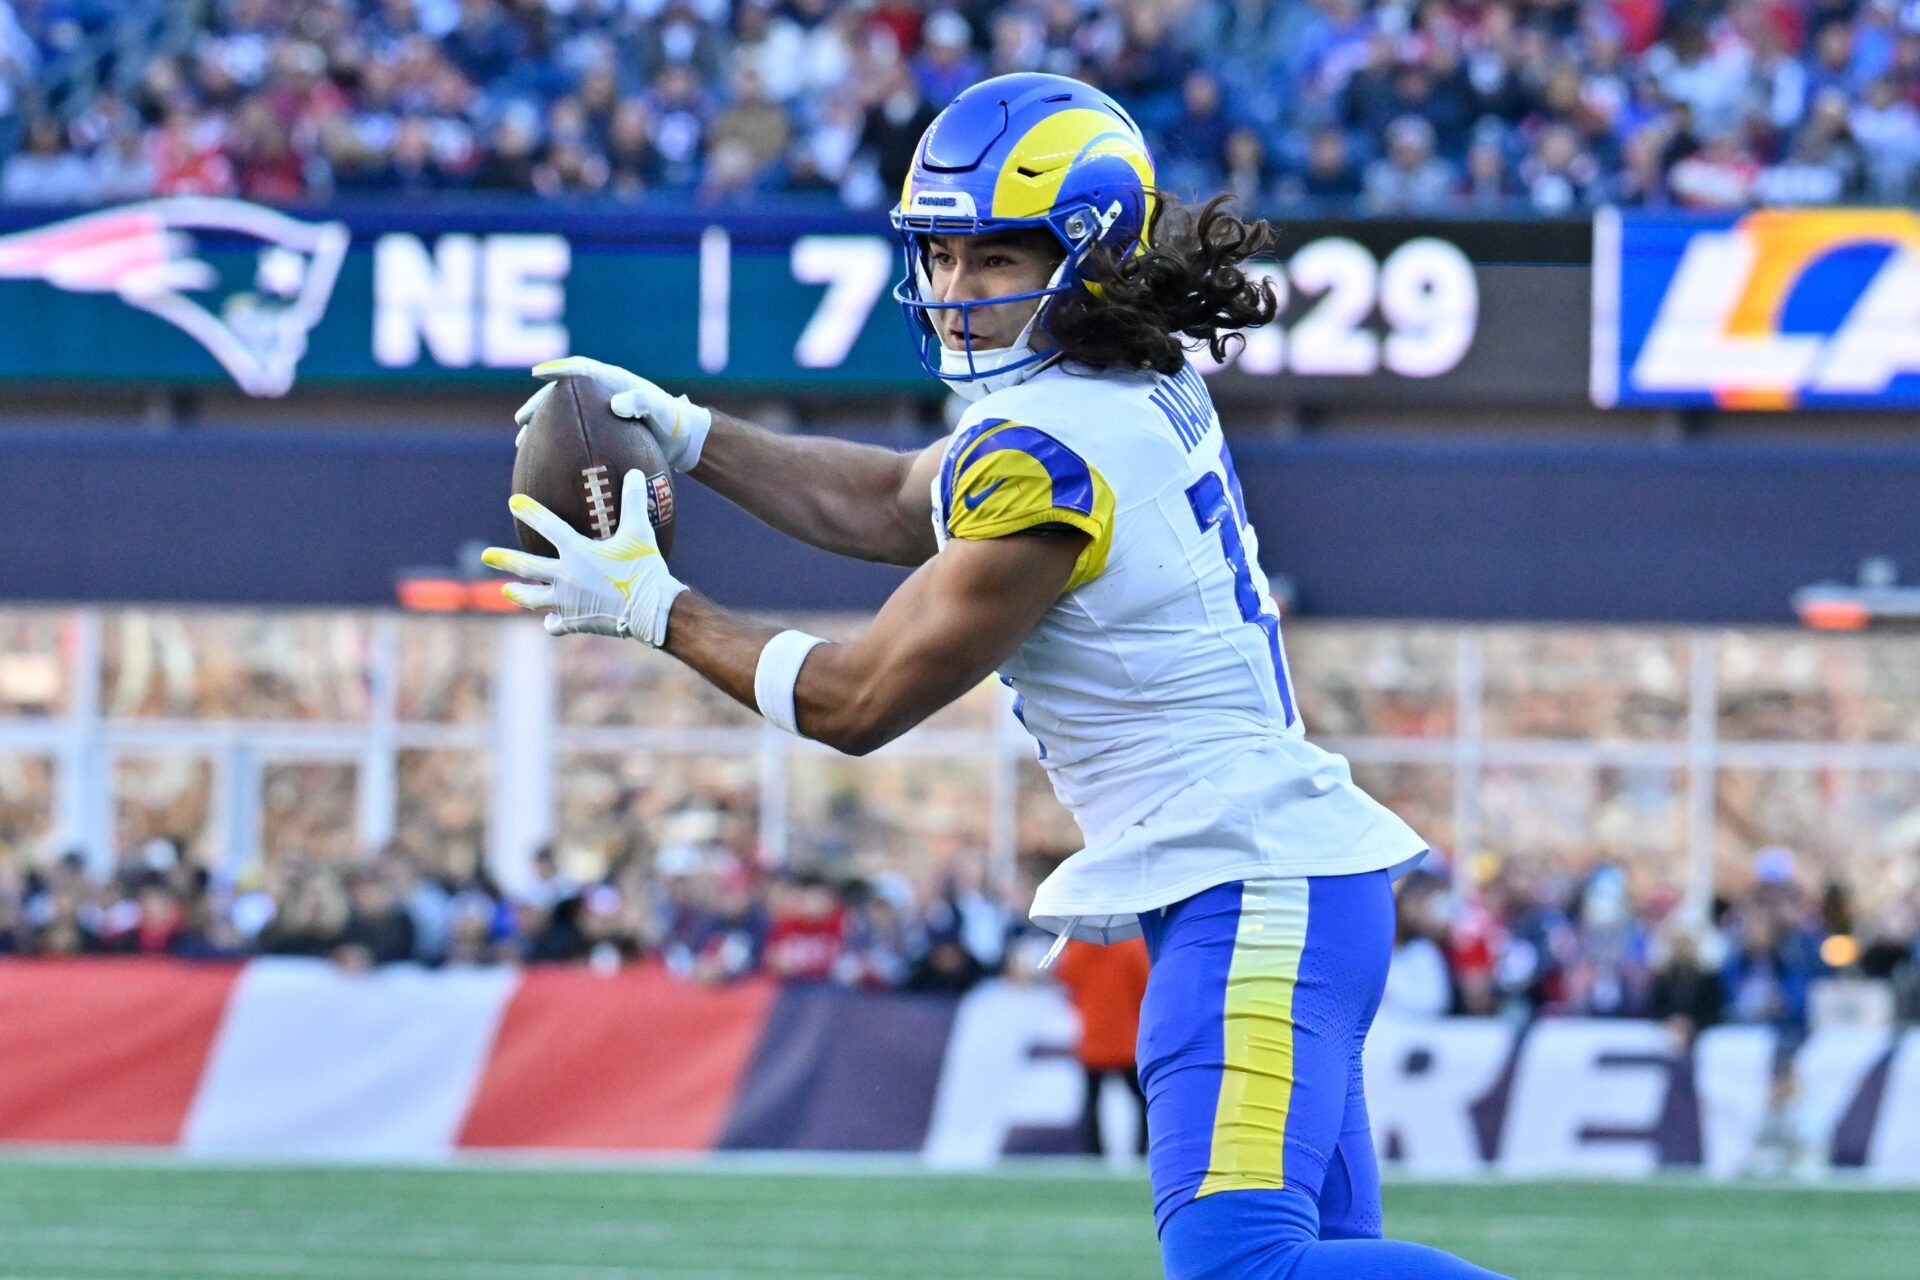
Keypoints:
pixel 1185 288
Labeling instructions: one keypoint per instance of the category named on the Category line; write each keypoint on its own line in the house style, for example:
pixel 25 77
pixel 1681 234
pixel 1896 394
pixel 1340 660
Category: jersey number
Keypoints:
pixel 1212 508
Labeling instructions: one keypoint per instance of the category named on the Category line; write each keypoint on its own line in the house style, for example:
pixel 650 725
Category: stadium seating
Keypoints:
pixel 1550 108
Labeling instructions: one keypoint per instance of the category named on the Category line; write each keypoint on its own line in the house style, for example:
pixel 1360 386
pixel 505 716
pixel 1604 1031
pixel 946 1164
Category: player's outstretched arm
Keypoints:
pixel 854 500
pixel 944 631
pixel 939 635
pixel 851 499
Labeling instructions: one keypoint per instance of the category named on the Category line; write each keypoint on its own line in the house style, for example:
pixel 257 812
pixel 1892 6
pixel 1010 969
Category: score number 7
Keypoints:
pixel 1213 509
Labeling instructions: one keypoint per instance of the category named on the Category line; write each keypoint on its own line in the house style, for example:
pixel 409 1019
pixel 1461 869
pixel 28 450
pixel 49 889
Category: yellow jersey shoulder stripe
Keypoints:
pixel 1003 477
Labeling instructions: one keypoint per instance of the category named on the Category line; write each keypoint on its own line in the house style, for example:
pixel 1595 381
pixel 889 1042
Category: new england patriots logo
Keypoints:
pixel 149 254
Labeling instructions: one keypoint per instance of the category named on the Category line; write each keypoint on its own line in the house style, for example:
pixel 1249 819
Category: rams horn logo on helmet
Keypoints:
pixel 146 253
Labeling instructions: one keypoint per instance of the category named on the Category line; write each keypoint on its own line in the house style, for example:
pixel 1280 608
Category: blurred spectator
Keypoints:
pixel 1607 973
pixel 1824 164
pixel 265 165
pixel 188 153
pixel 13 925
pixel 1106 985
pixel 946 63
pixel 1888 128
pixel 1832 66
pixel 829 150
pixel 550 885
pixel 378 928
pixel 967 907
pixel 1766 976
pixel 680 113
pixel 311 917
pixel 1246 175
pixel 484 43
pixel 945 966
pixel 719 931
pixel 807 936
pixel 1687 994
pixel 159 921
pixel 1410 178
pixel 772 45
pixel 1560 178
pixel 1193 162
pixel 46 171
pixel 123 169
pixel 19 59
pixel 512 154
pixel 880 942
pixel 1418 982
pixel 558 933
pixel 1643 180
pixel 893 127
pixel 408 167
pixel 1331 174
pixel 1711 81
pixel 752 121
pixel 1487 186
pixel 677 39
pixel 731 173
pixel 1721 175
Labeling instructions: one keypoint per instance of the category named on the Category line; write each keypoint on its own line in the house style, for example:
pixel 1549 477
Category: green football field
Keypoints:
pixel 89 1218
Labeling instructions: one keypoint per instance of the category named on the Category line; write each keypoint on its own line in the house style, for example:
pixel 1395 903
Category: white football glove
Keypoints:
pixel 677 423
pixel 616 586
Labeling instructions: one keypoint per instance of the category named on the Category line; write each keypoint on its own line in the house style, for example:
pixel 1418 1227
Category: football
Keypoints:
pixel 573 458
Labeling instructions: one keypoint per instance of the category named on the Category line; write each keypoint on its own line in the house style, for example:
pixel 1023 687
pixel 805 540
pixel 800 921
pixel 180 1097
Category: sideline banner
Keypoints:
pixel 293 1058
pixel 195 291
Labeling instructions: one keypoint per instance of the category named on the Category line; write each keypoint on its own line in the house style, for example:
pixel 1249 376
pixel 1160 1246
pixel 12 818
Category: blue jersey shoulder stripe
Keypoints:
pixel 1072 482
pixel 955 453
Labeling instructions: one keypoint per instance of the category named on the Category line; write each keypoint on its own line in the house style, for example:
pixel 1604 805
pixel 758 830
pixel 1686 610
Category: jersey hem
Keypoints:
pixel 1094 919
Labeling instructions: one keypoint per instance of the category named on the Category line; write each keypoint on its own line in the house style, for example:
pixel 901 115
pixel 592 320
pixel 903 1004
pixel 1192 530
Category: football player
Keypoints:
pixel 1083 533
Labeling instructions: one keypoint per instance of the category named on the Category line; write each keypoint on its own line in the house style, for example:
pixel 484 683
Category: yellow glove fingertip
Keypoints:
pixel 495 557
pixel 521 504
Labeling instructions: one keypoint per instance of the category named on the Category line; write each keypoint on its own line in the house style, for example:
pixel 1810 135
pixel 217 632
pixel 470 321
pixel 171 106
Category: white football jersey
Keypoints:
pixel 1156 686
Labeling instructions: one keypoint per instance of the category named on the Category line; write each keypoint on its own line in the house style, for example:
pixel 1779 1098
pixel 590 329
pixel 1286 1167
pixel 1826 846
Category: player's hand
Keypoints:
pixel 616 586
pixel 679 425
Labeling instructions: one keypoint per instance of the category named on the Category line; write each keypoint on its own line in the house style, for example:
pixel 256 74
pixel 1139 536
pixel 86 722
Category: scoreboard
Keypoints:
pixel 196 291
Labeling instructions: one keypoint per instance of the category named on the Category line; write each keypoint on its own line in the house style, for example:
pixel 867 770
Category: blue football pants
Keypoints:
pixel 1261 1156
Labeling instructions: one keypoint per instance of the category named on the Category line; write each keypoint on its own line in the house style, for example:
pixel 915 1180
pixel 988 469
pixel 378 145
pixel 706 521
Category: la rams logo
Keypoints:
pixel 1778 309
pixel 149 254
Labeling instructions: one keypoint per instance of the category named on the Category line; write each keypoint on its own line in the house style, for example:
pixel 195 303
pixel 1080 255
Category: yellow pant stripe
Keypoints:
pixel 1256 1083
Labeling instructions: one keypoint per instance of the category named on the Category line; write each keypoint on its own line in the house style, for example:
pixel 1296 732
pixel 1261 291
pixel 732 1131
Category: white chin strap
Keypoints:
pixel 972 379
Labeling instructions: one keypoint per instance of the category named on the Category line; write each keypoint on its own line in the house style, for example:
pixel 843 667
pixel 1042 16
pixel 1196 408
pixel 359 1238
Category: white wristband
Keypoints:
pixel 777 673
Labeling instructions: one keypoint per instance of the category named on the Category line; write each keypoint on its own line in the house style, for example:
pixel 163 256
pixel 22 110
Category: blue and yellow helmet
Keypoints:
pixel 1021 151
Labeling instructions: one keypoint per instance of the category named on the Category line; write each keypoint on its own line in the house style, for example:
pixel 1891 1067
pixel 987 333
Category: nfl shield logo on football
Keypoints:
pixel 659 499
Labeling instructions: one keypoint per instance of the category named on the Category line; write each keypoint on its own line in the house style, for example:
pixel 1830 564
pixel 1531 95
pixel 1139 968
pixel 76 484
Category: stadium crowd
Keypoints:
pixel 1434 106
pixel 1511 939
pixel 704 913
pixel 1522 939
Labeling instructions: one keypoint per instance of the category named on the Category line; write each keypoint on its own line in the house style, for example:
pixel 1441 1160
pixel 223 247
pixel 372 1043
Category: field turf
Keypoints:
pixel 98 1219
